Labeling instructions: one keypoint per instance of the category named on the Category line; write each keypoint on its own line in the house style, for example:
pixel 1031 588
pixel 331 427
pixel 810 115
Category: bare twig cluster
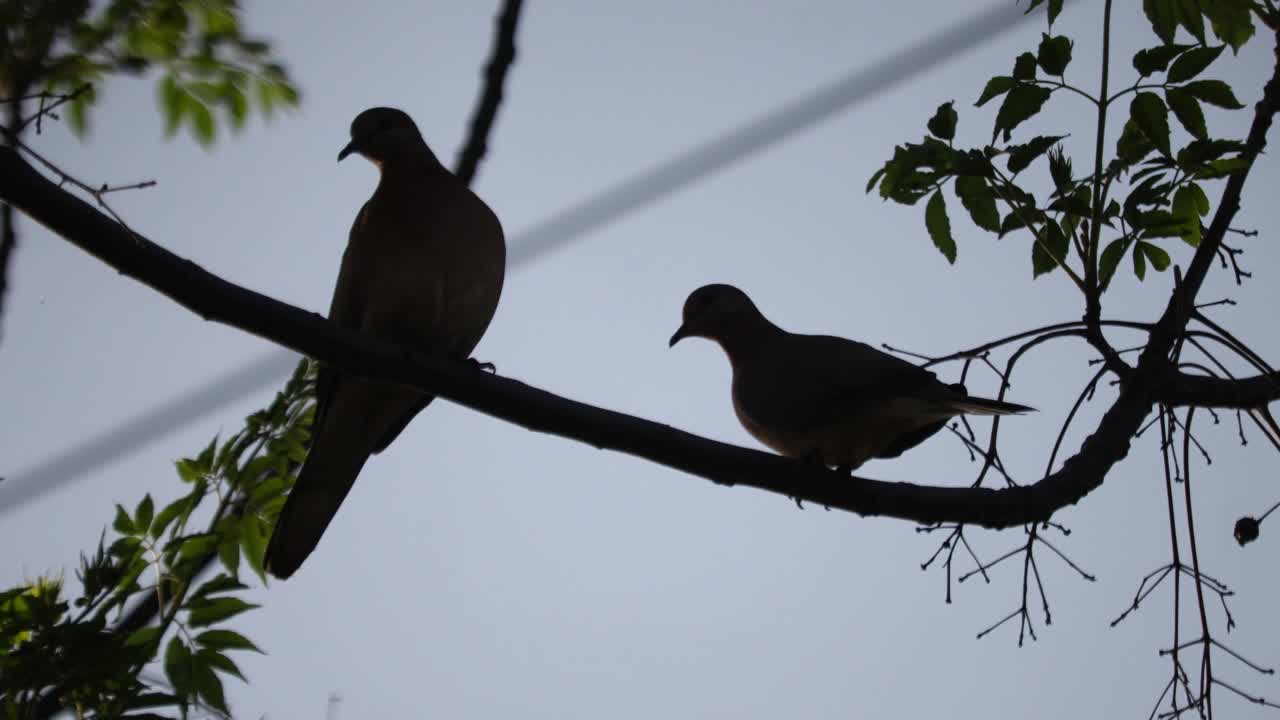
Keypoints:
pixel 49 103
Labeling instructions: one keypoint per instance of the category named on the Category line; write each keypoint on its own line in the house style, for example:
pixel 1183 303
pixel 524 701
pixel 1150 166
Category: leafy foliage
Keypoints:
pixel 206 64
pixel 1086 224
pixel 50 643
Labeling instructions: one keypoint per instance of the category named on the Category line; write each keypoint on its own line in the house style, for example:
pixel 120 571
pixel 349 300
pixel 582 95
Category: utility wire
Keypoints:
pixel 543 238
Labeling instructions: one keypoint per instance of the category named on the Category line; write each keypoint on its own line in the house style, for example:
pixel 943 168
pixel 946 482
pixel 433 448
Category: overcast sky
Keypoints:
pixel 480 570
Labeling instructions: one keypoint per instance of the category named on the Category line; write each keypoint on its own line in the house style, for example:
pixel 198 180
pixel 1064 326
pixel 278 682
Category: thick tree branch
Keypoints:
pixel 309 333
pixel 1214 392
pixel 220 301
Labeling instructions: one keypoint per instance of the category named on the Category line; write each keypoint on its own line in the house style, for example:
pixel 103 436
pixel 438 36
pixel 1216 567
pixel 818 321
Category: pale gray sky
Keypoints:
pixel 479 570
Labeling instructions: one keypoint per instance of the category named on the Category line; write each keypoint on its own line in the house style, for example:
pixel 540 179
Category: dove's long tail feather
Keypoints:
pixel 324 481
pixel 983 406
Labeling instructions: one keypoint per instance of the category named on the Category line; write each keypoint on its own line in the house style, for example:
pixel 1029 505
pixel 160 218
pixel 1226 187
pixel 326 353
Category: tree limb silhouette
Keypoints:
pixel 213 298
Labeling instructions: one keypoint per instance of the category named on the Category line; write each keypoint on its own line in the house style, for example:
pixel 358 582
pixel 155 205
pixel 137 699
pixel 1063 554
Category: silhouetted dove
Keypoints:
pixel 819 397
pixel 423 267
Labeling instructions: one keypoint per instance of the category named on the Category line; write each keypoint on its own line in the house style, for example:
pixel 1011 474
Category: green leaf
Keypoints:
pixel 1158 258
pixel 288 94
pixel 189 470
pixel 1055 7
pixel 907 177
pixel 225 640
pixel 238 107
pixel 202 123
pixel 1012 221
pixel 1109 260
pixel 1132 145
pixel 143 636
pixel 1139 264
pixel 1076 203
pixel 1232 22
pixel 1163 15
pixel 209 685
pixel 229 553
pixel 1187 110
pixel 1191 18
pixel 1189 205
pixel 78 112
pixel 126 548
pixel 266 97
pixel 1193 62
pixel 136 567
pixel 1022 102
pixel 123 523
pixel 1156 59
pixel 1222 167
pixel 1214 92
pixel 1021 156
pixel 996 87
pixel 221 662
pixel 1151 191
pixel 177 666
pixel 1054 53
pixel 221 583
pixel 973 162
pixel 205 91
pixel 207 611
pixel 219 20
pixel 943 122
pixel 253 540
pixel 977 198
pixel 272 486
pixel 875 178
pixel 1051 244
pixel 205 458
pixel 197 546
pixel 166 516
pixel 172 103
pixel 1111 213
pixel 939 226
pixel 1158 224
pixel 1202 151
pixel 143 515
pixel 1148 112
pixel 1024 68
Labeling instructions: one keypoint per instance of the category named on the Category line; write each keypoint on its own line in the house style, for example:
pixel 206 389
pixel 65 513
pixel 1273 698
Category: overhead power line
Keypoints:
pixel 540 240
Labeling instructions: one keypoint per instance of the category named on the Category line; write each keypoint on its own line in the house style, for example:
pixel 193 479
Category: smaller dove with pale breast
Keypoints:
pixel 824 398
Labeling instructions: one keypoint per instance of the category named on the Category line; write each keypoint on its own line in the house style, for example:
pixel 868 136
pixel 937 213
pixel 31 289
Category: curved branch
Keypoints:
pixel 1213 392
pixel 218 300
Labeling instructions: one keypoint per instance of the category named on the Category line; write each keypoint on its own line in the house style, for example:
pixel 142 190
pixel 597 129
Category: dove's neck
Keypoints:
pixel 741 337
pixel 411 161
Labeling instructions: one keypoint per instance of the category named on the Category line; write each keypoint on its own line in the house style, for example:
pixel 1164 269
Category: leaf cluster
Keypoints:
pixel 206 63
pixel 50 643
pixel 1145 190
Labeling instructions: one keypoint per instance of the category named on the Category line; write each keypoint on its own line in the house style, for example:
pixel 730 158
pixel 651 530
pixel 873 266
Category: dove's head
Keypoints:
pixel 716 311
pixel 382 134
